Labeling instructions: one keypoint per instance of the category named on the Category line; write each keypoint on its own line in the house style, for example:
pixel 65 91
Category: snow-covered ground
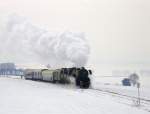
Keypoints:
pixel 114 84
pixel 19 96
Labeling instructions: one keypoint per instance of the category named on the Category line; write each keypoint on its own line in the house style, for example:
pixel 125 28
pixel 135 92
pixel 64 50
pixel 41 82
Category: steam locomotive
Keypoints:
pixel 63 75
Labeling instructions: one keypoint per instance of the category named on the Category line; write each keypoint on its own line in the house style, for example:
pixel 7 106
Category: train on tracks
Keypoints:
pixel 81 76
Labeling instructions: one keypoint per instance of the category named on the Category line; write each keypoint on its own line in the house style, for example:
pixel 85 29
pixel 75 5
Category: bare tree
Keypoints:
pixel 134 78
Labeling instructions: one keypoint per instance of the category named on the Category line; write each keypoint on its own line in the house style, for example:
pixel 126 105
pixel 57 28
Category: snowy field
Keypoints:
pixel 114 84
pixel 19 96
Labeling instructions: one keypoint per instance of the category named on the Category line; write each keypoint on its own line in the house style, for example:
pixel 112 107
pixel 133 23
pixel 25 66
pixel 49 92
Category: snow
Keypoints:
pixel 114 84
pixel 19 96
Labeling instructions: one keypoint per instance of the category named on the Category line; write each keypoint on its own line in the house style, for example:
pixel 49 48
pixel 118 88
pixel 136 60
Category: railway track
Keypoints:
pixel 144 103
pixel 112 92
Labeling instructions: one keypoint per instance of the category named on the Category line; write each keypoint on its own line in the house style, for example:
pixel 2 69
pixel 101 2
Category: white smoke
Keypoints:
pixel 28 43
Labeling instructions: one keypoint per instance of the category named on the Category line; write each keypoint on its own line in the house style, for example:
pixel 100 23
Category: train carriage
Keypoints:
pixel 50 75
pixel 28 74
pixel 33 74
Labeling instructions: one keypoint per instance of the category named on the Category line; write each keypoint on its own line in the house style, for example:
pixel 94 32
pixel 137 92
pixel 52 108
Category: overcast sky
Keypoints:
pixel 118 31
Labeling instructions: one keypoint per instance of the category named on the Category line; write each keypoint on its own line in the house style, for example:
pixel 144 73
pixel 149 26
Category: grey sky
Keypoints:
pixel 118 30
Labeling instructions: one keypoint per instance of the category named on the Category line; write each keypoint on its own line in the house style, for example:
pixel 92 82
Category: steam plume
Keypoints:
pixel 24 42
